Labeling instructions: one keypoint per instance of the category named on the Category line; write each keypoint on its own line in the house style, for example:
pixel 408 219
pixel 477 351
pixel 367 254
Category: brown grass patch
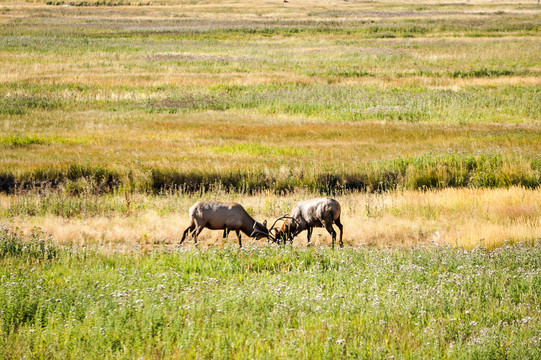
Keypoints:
pixel 518 213
pixel 459 217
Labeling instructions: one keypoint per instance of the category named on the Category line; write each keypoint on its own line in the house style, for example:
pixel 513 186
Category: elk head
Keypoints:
pixel 286 230
pixel 260 230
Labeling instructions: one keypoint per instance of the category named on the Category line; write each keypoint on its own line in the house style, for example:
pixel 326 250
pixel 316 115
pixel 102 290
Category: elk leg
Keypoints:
pixel 290 236
pixel 293 236
pixel 309 236
pixel 196 233
pixel 224 236
pixel 331 231
pixel 341 228
pixel 238 235
pixel 188 230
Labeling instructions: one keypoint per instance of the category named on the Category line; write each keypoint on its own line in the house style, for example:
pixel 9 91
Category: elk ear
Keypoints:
pixel 265 223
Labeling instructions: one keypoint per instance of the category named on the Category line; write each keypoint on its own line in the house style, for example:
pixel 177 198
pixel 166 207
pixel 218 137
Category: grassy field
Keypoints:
pixel 269 303
pixel 275 96
pixel 422 119
pixel 108 110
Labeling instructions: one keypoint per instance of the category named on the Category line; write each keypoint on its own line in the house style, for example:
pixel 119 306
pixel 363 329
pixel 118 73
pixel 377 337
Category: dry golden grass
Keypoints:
pixel 457 217
pixel 113 69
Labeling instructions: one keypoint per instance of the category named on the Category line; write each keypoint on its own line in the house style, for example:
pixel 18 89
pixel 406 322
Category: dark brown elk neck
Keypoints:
pixel 248 225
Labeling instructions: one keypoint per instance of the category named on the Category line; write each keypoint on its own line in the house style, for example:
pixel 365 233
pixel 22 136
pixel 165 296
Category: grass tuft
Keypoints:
pixel 38 247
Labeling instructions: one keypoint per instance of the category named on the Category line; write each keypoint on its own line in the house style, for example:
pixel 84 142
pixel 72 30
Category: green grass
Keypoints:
pixel 362 96
pixel 328 103
pixel 429 171
pixel 115 110
pixel 19 140
pixel 273 303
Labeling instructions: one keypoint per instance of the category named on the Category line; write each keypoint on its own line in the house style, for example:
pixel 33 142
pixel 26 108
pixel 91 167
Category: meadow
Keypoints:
pixel 125 107
pixel 420 302
pixel 278 96
pixel 464 218
pixel 422 119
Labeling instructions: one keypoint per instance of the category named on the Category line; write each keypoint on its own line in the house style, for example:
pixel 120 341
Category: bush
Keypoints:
pixel 13 244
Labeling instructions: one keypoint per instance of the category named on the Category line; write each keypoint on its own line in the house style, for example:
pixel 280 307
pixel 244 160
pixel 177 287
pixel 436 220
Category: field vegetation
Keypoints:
pixel 269 303
pixel 277 96
pixel 423 119
pixel 122 222
pixel 110 109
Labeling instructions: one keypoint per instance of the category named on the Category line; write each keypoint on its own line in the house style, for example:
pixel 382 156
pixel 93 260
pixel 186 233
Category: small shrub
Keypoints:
pixel 13 244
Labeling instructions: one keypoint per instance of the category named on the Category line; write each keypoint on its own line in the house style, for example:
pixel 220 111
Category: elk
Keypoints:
pixel 216 215
pixel 308 214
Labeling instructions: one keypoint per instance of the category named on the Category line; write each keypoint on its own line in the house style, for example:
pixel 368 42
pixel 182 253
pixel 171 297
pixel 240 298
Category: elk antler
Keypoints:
pixel 269 235
pixel 263 234
pixel 286 216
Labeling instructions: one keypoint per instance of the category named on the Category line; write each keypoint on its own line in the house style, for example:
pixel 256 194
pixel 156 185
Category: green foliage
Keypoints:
pixel 429 171
pixel 38 247
pixel 20 140
pixel 225 303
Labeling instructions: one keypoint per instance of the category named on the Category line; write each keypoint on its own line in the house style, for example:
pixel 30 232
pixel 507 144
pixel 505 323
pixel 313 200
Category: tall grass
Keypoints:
pixel 37 247
pixel 124 221
pixel 430 171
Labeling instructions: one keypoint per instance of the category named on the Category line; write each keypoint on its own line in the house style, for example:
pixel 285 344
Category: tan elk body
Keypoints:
pixel 215 215
pixel 308 214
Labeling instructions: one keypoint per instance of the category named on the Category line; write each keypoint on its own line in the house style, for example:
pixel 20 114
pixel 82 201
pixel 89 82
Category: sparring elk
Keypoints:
pixel 308 214
pixel 216 215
